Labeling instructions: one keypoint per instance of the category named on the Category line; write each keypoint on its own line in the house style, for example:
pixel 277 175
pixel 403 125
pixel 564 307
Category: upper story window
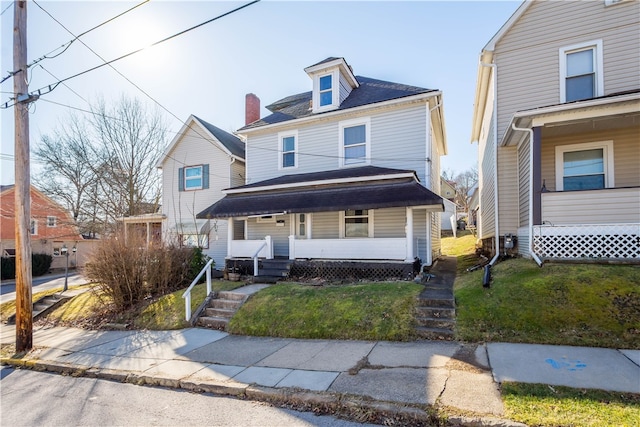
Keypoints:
pixel 355 146
pixel 193 178
pixel 584 166
pixel 288 149
pixel 581 71
pixel 326 90
pixel 52 221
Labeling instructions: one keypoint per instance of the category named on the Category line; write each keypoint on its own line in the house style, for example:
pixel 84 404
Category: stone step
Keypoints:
pixel 437 301
pixel 219 312
pixel 435 333
pixel 40 307
pixel 225 304
pixel 437 312
pixel 213 322
pixel 270 271
pixel 230 295
pixel 438 323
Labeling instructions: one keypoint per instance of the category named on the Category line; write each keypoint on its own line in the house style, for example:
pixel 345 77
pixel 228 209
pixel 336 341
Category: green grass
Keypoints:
pixel 8 308
pixel 462 247
pixel 543 405
pixel 372 311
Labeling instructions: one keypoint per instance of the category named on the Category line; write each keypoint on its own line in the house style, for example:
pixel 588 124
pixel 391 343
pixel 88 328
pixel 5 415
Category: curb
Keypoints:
pixel 357 408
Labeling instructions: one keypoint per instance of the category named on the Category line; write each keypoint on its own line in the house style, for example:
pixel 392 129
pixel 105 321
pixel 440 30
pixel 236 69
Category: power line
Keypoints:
pixel 66 45
pixel 69 43
pixel 5 9
pixel 52 86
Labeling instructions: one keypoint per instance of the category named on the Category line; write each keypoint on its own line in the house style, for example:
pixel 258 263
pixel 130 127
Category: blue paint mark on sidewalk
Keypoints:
pixel 566 364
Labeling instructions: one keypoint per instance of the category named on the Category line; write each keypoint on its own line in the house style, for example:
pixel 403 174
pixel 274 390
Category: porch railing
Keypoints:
pixel 587 241
pixel 369 249
pixel 187 294
pixel 252 248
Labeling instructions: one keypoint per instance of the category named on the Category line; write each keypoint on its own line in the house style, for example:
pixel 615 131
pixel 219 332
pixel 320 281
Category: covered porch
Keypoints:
pixel 361 220
pixel 582 179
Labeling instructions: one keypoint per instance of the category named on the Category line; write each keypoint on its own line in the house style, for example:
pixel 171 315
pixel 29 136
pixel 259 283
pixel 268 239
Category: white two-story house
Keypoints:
pixel 197 165
pixel 557 120
pixel 343 176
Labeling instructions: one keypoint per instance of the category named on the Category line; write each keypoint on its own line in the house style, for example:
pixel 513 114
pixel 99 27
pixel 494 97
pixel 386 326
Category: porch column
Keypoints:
pixel 409 234
pixel 229 236
pixel 536 147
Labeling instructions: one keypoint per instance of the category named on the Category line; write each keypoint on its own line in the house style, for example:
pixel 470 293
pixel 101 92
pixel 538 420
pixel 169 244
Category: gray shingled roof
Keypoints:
pixel 326 198
pixel 230 141
pixel 345 173
pixel 370 91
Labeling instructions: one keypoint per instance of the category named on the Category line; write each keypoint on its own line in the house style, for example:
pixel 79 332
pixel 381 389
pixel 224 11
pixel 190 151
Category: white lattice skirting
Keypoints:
pixel 588 241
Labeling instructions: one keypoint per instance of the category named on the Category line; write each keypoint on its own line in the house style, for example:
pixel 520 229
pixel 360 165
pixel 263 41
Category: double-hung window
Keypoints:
pixel 357 223
pixel 581 71
pixel 193 177
pixel 355 144
pixel 33 227
pixel 326 89
pixel 288 150
pixel 52 221
pixel 584 166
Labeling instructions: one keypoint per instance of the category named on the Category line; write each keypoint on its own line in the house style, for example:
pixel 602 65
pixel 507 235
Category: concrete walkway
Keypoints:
pixel 397 377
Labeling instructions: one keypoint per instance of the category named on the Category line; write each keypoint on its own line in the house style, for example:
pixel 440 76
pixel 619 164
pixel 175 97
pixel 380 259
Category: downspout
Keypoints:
pixel 495 156
pixel 429 260
pixel 531 252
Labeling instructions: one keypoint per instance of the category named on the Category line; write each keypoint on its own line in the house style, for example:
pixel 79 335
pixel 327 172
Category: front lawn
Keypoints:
pixel 371 311
pixel 565 304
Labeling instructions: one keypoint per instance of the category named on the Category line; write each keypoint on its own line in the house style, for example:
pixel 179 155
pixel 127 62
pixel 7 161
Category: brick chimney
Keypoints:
pixel 251 108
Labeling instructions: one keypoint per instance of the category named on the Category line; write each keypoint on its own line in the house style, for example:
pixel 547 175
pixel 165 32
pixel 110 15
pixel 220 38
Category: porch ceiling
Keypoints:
pixel 367 195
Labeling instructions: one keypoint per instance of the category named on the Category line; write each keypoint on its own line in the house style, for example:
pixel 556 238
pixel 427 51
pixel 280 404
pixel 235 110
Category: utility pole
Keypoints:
pixel 24 306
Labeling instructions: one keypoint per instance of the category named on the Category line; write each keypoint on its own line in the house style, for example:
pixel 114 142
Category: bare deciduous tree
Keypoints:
pixel 102 167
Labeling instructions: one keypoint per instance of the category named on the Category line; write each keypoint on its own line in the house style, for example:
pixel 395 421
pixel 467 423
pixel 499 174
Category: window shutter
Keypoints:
pixel 181 179
pixel 205 176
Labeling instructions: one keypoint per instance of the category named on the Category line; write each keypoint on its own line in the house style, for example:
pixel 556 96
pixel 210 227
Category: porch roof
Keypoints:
pixel 326 198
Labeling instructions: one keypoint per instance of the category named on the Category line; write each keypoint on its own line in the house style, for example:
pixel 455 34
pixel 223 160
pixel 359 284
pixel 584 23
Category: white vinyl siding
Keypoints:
pixel 420 234
pixel 528 60
pixel 398 140
pixel 279 234
pixel 195 148
pixel 325 225
pixel 487 184
pixel 390 222
pixel 436 242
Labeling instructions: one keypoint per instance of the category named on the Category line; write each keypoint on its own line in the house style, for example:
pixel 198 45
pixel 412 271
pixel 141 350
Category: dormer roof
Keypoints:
pixel 333 63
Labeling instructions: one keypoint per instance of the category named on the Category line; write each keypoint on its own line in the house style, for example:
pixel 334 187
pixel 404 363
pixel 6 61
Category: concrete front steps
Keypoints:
pixel 220 310
pixel 43 306
pixel 436 308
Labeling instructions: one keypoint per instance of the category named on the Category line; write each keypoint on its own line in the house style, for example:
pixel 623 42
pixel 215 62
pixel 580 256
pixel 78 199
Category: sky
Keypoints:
pixel 261 49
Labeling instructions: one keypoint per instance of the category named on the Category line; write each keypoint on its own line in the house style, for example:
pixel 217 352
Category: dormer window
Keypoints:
pixel 326 90
pixel 333 81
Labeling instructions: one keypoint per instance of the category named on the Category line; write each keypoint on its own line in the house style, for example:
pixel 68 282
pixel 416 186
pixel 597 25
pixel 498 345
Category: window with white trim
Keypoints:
pixel 581 75
pixel 586 166
pixel 52 221
pixel 355 146
pixel 358 223
pixel 325 89
pixel 193 178
pixel 288 150
pixel 33 227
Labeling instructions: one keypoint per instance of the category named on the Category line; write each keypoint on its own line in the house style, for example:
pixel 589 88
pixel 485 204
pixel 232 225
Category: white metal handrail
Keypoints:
pixel 187 294
pixel 255 257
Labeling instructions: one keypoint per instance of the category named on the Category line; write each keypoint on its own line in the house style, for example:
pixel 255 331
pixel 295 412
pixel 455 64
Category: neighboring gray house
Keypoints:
pixel 348 171
pixel 557 121
pixel 197 165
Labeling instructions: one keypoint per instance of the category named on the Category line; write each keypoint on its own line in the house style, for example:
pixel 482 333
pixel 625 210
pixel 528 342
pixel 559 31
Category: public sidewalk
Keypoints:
pixel 383 376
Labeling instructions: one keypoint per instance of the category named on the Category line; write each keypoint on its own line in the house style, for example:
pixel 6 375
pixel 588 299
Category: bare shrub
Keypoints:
pixel 128 272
